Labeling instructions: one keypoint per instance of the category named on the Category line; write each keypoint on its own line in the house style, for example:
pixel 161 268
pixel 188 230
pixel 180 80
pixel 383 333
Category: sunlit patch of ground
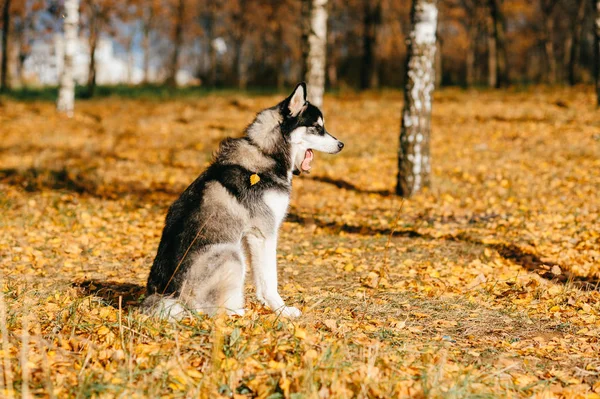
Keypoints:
pixel 485 285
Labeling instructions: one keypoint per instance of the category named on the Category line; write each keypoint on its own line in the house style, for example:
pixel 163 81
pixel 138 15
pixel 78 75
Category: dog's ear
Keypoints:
pixel 297 100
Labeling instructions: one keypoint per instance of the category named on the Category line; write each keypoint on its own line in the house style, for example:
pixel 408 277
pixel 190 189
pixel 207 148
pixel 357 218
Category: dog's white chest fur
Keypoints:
pixel 278 202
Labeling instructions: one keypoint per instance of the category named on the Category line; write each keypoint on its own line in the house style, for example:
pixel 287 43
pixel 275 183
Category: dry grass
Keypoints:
pixel 484 286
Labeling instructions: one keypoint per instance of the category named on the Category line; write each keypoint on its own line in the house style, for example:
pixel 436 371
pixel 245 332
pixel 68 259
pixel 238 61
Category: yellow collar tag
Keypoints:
pixel 254 179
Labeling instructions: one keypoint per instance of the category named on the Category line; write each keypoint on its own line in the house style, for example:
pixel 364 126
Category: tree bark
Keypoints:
pixel 93 43
pixel 498 29
pixel 213 65
pixel 414 168
pixel 280 58
pixel 576 43
pixel 597 52
pixel 332 63
pixel 209 56
pixel 315 48
pixel 146 30
pixel 177 43
pixel 371 21
pixel 22 55
pixel 242 65
pixel 66 90
pixel 4 81
pixel 492 56
pixel 439 63
pixel 470 60
pixel 547 8
pixel 549 49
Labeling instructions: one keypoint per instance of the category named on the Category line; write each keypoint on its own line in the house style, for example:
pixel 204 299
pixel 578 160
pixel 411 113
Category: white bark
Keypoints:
pixel 66 93
pixel 414 167
pixel 317 51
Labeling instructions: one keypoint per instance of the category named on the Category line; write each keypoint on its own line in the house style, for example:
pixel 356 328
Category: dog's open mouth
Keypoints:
pixel 308 157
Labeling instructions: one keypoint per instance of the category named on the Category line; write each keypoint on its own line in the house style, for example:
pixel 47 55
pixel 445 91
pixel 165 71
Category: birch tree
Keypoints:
pixel 315 48
pixel 66 92
pixel 414 166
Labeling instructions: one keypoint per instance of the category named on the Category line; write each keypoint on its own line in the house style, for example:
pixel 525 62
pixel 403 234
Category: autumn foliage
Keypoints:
pixel 485 285
pixel 258 43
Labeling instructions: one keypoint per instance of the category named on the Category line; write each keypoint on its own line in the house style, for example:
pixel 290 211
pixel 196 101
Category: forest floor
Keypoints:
pixel 487 285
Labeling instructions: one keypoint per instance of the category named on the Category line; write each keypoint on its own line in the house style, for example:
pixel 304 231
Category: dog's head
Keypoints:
pixel 304 126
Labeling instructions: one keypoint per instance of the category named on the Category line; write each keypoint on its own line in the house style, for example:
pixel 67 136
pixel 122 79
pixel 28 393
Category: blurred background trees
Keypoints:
pixel 259 43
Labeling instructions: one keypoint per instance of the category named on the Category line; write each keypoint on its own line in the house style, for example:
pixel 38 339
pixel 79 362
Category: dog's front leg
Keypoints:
pixel 263 260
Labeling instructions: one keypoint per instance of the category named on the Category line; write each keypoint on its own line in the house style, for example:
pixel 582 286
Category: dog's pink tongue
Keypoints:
pixel 308 157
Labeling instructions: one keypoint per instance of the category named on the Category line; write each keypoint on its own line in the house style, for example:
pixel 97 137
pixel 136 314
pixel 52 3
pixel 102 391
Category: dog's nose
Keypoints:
pixel 340 145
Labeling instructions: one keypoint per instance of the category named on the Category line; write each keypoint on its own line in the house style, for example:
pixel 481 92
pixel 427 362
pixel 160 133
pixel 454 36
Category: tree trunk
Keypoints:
pixel 146 43
pixel 213 65
pixel 470 60
pixel 130 59
pixel 414 168
pixel 439 64
pixel 597 52
pixel 371 21
pixel 549 49
pixel 492 56
pixel 177 43
pixel 4 83
pixel 576 43
pixel 93 43
pixel 22 56
pixel 66 91
pixel 331 61
pixel 498 29
pixel 209 56
pixel 315 48
pixel 242 65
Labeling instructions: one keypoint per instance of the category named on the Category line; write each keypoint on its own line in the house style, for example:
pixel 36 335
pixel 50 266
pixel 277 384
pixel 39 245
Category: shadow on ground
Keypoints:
pixel 525 258
pixel 83 183
pixel 38 179
pixel 111 291
pixel 340 183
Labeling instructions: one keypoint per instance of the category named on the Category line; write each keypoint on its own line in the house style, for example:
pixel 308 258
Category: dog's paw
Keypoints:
pixel 289 312
pixel 236 312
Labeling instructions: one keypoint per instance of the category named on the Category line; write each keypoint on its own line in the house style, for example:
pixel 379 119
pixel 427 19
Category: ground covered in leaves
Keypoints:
pixel 484 286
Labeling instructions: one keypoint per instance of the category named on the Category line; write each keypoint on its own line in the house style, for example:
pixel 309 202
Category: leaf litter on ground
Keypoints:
pixel 484 285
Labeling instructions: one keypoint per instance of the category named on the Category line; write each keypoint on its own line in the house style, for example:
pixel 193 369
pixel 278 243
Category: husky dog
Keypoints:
pixel 233 210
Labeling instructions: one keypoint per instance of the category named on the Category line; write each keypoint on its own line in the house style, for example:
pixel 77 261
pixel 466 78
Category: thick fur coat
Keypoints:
pixel 232 212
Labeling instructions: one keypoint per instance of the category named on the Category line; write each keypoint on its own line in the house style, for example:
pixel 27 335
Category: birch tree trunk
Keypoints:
pixel 5 33
pixel 66 91
pixel 414 166
pixel 315 49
